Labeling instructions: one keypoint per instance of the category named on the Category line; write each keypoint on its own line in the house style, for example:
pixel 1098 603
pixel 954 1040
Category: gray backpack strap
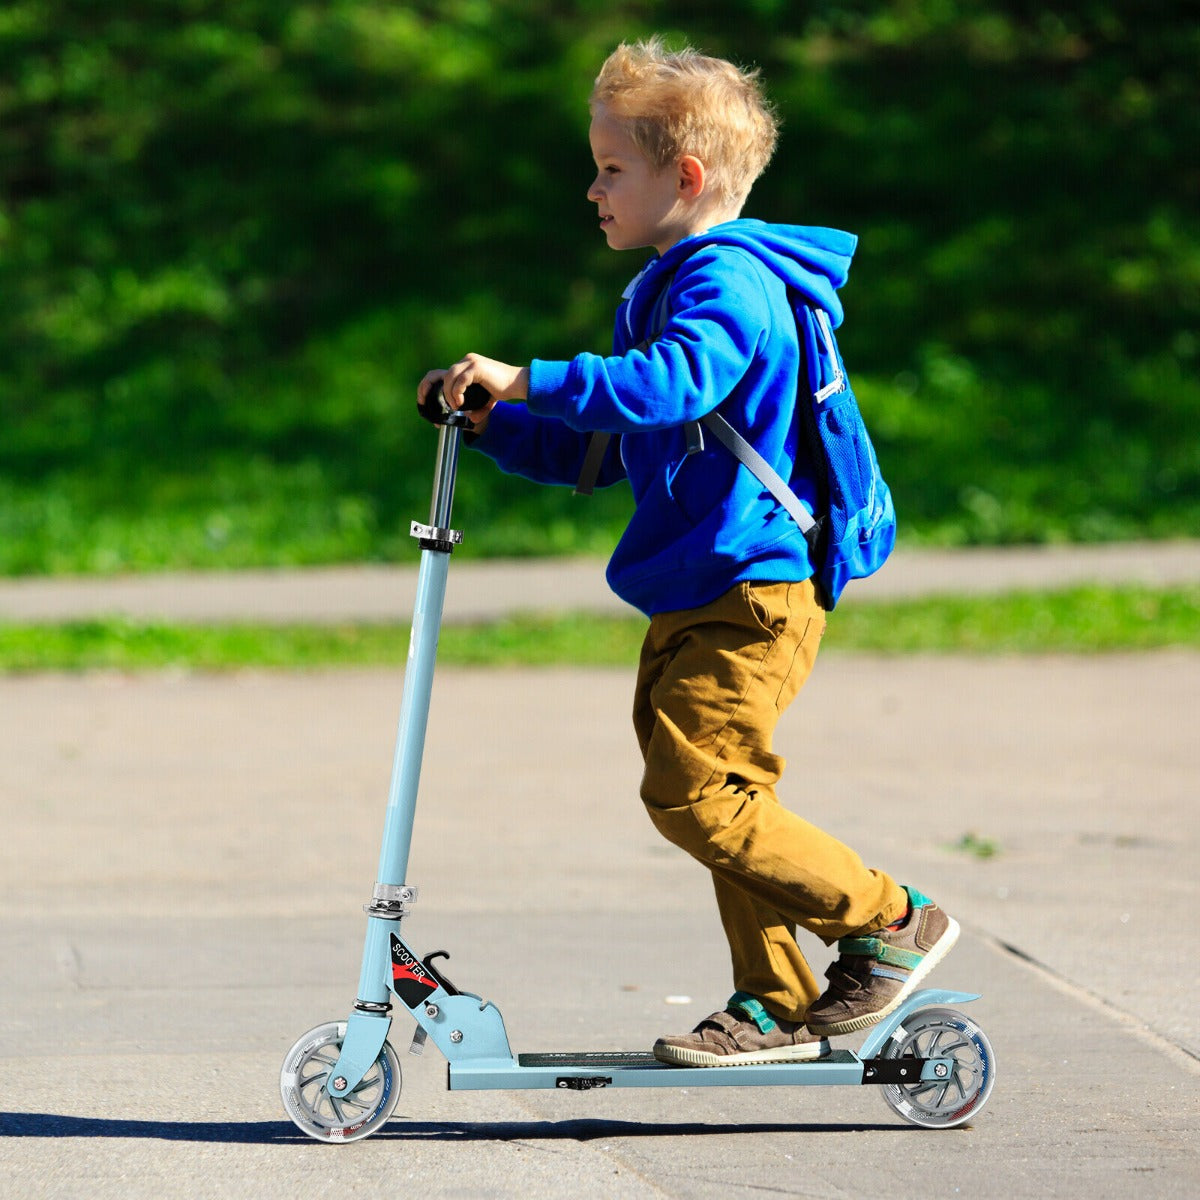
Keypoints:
pixel 590 471
pixel 766 474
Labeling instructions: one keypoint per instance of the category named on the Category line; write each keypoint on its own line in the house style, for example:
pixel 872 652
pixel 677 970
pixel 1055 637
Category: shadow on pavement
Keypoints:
pixel 278 1133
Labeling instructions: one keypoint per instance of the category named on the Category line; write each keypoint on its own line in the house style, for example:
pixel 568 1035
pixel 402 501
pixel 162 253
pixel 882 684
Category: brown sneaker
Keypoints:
pixel 744 1033
pixel 875 973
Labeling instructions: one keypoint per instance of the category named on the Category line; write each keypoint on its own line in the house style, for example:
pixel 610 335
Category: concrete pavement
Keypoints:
pixel 185 856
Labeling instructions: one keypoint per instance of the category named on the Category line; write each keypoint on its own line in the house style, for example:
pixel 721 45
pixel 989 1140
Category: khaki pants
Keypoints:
pixel 712 683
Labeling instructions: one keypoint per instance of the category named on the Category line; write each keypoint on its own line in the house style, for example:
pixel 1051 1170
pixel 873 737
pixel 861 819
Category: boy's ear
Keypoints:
pixel 692 177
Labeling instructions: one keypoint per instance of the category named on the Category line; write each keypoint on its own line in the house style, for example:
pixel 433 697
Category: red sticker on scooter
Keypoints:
pixel 411 981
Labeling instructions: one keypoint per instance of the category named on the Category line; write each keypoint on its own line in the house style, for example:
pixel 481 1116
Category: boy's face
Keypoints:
pixel 638 204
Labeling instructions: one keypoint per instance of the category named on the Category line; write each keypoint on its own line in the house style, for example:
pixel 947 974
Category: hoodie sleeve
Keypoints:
pixel 543 450
pixel 718 314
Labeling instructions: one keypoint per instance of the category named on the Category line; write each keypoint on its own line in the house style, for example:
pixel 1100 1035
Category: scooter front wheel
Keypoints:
pixel 359 1113
pixel 955 1096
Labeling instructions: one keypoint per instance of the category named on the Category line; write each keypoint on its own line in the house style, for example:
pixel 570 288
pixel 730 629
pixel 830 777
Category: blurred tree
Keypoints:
pixel 239 232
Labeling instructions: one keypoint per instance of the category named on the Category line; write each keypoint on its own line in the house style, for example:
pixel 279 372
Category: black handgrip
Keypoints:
pixel 476 396
pixel 434 408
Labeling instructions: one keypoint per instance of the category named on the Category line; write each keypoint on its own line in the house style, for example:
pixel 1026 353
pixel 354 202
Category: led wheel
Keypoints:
pixel 303 1079
pixel 955 1097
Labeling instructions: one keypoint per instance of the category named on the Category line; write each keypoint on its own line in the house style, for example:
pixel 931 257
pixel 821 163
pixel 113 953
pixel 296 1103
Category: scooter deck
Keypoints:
pixel 587 1069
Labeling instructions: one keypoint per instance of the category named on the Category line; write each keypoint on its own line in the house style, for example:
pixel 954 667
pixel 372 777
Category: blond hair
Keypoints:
pixel 675 103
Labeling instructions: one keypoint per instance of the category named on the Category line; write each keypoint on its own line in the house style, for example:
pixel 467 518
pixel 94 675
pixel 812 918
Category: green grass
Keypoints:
pixel 975 846
pixel 1082 620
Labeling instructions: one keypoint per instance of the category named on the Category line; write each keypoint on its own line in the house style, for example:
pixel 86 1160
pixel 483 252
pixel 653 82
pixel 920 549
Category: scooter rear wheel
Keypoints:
pixel 945 1102
pixel 305 1074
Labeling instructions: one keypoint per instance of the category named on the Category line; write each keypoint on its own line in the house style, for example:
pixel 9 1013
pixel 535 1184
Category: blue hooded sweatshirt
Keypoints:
pixel 702 522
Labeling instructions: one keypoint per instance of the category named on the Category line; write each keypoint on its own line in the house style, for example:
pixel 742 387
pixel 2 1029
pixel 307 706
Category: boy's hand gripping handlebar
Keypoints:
pixel 436 411
pixel 438 535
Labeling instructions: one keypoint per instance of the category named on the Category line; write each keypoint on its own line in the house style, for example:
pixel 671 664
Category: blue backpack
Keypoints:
pixel 854 529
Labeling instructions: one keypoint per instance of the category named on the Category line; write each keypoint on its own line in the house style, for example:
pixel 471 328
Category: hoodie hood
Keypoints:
pixel 811 260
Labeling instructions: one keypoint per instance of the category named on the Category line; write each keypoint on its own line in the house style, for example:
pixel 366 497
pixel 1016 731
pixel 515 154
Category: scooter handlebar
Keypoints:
pixel 436 411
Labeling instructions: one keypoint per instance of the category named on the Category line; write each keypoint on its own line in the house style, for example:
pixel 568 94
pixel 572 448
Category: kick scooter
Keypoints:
pixel 341 1081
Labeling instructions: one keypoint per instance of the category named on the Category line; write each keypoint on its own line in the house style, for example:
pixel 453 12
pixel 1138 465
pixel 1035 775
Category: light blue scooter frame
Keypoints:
pixel 468 1030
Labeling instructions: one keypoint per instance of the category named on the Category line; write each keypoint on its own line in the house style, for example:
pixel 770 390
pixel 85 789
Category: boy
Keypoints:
pixel 721 570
